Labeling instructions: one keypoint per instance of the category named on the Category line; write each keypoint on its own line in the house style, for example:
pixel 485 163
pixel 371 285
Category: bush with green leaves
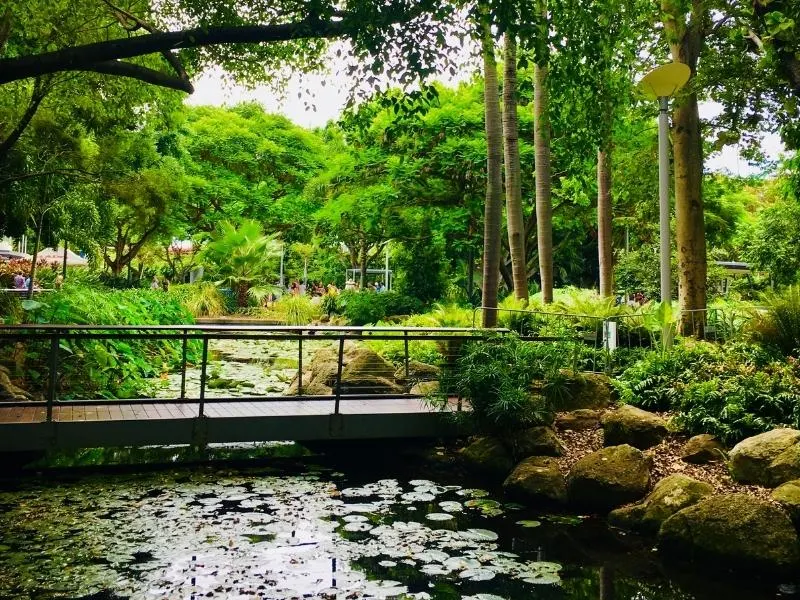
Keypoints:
pixel 777 323
pixel 511 384
pixel 202 299
pixel 732 391
pixel 296 310
pixel 114 368
pixel 364 308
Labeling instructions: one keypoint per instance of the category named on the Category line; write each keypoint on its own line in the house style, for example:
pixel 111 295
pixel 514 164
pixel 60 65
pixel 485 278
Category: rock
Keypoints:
pixel 536 479
pixel 751 458
pixel 702 449
pixel 417 371
pixel 609 478
pixel 671 494
pixel 578 420
pixel 363 361
pixel 535 441
pixel 786 466
pixel 424 388
pixel 490 456
pixel 634 426
pixel 734 530
pixel 9 391
pixel 589 390
pixel 788 496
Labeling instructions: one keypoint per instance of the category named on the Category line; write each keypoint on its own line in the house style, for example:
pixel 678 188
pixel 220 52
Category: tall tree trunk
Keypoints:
pixel 64 262
pixel 363 265
pixel 686 42
pixel 604 213
pixel 541 142
pixel 515 219
pixel 34 258
pixel 493 209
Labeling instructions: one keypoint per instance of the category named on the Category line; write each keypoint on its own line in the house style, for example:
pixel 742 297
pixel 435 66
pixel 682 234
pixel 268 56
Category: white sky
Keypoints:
pixel 327 101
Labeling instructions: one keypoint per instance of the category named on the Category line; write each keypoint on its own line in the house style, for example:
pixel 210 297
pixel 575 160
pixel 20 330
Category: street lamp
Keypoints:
pixel 661 83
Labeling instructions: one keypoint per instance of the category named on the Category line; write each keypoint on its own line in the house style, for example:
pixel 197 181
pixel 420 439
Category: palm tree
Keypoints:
pixel 516 225
pixel 244 258
pixel 493 210
pixel 541 142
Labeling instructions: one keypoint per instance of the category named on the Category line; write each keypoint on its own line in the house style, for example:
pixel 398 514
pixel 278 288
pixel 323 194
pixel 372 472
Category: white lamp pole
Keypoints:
pixel 661 83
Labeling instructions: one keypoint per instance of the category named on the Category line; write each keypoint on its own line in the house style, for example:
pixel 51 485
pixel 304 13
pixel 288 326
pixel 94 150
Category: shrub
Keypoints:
pixel 778 324
pixel 105 368
pixel 732 391
pixel 363 308
pixel 511 384
pixel 201 299
pixel 297 310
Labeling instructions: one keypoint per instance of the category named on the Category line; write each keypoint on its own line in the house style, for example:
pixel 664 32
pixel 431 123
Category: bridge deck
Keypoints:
pixel 77 424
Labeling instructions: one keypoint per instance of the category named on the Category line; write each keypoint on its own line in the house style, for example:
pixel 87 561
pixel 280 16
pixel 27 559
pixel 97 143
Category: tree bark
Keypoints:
pixel 544 206
pixel 40 91
pixel 514 216
pixel 34 258
pixel 604 217
pixel 363 262
pixel 493 209
pixel 686 42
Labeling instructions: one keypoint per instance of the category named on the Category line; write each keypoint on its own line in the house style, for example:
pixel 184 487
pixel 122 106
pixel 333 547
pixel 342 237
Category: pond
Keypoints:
pixel 312 528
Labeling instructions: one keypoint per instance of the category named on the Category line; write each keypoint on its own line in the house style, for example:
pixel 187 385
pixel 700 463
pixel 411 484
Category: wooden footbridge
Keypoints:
pixel 57 420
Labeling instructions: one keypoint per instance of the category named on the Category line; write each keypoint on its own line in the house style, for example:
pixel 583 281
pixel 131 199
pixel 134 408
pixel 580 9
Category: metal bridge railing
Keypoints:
pixel 318 370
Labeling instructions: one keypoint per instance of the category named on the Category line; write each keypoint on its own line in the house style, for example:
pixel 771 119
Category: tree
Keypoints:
pixel 493 209
pixel 241 257
pixel 514 214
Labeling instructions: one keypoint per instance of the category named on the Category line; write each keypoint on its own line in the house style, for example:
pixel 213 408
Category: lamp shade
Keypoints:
pixel 665 80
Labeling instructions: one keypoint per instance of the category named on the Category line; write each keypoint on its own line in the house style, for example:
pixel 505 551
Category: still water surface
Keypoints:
pixel 311 530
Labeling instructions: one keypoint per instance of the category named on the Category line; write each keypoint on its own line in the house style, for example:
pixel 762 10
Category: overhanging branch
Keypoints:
pixel 126 69
pixel 82 57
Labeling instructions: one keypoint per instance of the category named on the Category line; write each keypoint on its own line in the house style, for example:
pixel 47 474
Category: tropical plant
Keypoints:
pixel 201 299
pixel 297 310
pixel 777 324
pixel 242 257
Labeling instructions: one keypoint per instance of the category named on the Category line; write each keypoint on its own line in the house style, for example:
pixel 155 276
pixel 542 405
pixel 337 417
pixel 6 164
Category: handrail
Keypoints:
pixel 211 328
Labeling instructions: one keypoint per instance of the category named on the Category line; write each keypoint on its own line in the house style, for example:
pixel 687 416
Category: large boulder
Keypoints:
pixel 735 531
pixel 671 494
pixel 579 420
pixel 417 371
pixel 609 478
pixel 634 426
pixel 490 456
pixel 9 391
pixel 589 390
pixel 535 441
pixel 702 449
pixel 767 458
pixel 788 496
pixel 424 388
pixel 536 480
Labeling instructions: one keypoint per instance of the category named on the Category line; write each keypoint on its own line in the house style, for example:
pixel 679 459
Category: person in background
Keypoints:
pixel 59 282
pixel 166 285
pixel 19 281
pixel 154 284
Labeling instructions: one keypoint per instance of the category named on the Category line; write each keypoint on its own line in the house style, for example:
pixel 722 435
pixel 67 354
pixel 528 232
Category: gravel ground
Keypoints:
pixel 666 461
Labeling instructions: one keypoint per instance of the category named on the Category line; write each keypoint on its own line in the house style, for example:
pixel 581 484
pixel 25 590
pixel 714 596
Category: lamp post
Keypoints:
pixel 661 83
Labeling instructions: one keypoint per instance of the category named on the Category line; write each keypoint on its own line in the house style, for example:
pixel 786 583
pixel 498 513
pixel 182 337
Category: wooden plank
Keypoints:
pixel 127 412
pixel 78 412
pixel 115 412
pixel 91 412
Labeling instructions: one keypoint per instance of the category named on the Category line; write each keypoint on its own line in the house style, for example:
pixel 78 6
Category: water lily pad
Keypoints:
pixel 459 563
pixel 472 493
pixel 354 518
pixel 543 579
pixel 478 535
pixel 477 574
pixel 529 523
pixel 451 506
pixel 544 567
pixel 387 563
pixel 421 482
pixel 434 569
pixel 357 526
pixel 438 516
pixel 429 556
pixel 418 496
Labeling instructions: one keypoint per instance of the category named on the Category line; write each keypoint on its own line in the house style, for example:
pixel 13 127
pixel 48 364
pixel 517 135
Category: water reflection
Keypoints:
pixel 316 533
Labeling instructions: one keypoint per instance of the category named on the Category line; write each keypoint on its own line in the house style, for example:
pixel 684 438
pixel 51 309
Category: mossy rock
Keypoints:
pixel 609 478
pixel 417 371
pixel 589 390
pixel 535 441
pixel 221 383
pixel 733 531
pixel 579 420
pixel 702 449
pixel 536 480
pixel 671 494
pixel 786 466
pixel 424 388
pixel 751 459
pixel 365 362
pixel 285 363
pixel 490 456
pixel 788 496
pixel 9 391
pixel 363 383
pixel 633 426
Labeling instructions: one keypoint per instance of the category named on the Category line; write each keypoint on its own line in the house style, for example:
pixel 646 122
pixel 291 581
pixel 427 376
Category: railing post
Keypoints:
pixel 183 364
pixel 300 364
pixel 203 372
pixel 51 390
pixel 405 345
pixel 339 375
